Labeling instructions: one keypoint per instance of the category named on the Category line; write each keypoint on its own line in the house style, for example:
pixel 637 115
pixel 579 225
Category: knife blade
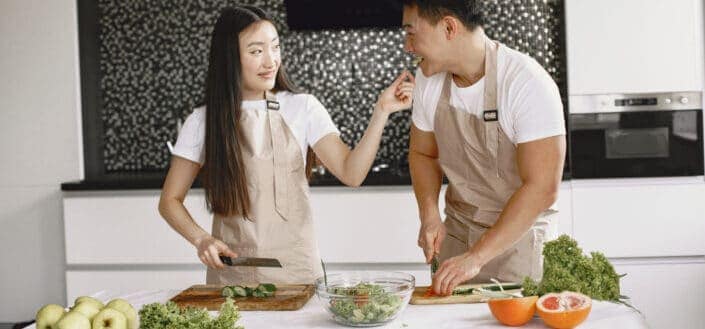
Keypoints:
pixel 250 261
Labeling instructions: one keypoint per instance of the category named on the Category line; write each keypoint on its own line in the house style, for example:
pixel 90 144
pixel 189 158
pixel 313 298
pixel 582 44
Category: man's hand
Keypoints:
pixel 453 272
pixel 431 236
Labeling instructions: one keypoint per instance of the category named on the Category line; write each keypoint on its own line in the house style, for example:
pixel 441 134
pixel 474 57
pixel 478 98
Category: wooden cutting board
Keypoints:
pixel 419 298
pixel 286 298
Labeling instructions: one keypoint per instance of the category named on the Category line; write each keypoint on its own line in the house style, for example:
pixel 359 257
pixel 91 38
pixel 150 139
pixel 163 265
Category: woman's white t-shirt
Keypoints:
pixel 305 116
pixel 529 103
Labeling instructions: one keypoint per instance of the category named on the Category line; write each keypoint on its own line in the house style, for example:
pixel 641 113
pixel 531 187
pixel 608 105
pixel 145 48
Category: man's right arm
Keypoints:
pixel 427 177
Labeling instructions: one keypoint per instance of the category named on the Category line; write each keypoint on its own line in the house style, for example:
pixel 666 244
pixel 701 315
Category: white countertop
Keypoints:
pixel 312 315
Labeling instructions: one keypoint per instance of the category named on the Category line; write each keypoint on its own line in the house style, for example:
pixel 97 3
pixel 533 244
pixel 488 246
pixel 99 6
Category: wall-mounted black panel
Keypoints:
pixel 327 14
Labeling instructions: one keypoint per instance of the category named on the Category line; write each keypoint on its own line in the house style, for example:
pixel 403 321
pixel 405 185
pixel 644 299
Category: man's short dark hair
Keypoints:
pixel 467 11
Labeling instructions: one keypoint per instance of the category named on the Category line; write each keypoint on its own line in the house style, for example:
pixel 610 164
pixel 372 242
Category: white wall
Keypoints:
pixel 40 146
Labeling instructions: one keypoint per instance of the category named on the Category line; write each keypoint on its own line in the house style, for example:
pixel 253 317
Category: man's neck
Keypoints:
pixel 469 66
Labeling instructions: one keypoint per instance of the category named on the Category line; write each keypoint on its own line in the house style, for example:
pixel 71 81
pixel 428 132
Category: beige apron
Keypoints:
pixel 479 161
pixel 280 225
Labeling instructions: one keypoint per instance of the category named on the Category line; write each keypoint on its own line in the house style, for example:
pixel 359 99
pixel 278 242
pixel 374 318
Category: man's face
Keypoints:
pixel 424 40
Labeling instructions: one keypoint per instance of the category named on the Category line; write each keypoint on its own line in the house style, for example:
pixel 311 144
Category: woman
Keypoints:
pixel 251 141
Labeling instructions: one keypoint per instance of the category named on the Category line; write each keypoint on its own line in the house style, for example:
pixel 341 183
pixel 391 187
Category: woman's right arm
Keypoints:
pixel 351 166
pixel 178 181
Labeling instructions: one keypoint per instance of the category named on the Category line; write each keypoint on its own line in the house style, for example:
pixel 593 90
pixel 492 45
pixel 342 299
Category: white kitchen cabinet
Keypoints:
pixel 126 228
pixel 366 225
pixel 622 46
pixel 669 292
pixel 641 217
pixel 563 220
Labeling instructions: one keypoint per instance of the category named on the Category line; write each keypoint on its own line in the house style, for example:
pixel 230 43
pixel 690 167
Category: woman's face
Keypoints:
pixel 260 58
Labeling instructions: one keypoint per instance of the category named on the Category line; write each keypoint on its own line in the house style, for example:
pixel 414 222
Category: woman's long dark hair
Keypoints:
pixel 224 174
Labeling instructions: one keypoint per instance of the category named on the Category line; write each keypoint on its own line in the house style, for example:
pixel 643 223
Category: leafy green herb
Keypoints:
pixel 530 287
pixel 170 316
pixel 566 268
pixel 364 303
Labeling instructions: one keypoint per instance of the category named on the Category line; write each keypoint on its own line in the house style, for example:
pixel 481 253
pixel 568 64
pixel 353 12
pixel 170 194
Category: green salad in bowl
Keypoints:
pixel 365 299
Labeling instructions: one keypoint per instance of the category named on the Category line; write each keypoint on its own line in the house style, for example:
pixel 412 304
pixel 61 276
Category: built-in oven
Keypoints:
pixel 636 135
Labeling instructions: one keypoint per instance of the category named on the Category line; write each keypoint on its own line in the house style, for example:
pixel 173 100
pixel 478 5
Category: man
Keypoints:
pixel 490 119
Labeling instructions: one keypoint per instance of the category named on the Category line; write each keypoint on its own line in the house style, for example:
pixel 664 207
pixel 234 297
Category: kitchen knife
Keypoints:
pixel 434 265
pixel 250 261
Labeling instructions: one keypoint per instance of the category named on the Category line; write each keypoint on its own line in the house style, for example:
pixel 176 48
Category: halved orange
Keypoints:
pixel 564 310
pixel 513 311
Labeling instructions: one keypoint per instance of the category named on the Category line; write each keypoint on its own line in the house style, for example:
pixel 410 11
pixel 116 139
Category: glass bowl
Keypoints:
pixel 365 298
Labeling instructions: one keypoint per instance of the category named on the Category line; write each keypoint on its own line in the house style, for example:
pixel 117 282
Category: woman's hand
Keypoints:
pixel 398 96
pixel 210 249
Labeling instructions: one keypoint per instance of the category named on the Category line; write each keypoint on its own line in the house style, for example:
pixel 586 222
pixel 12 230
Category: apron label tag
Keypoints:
pixel 272 105
pixel 490 115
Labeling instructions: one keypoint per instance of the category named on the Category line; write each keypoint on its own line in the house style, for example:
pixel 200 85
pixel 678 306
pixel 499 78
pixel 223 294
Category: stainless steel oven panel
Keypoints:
pixel 642 143
pixel 635 102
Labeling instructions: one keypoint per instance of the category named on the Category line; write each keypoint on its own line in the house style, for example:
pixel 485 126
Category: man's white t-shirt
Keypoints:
pixel 305 116
pixel 528 99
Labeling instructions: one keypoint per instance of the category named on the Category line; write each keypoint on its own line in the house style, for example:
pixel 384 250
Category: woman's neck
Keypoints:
pixel 253 95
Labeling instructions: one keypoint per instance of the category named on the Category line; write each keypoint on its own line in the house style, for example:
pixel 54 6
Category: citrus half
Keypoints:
pixel 564 310
pixel 513 311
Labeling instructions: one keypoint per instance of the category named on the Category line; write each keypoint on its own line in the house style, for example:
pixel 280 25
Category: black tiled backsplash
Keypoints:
pixel 153 60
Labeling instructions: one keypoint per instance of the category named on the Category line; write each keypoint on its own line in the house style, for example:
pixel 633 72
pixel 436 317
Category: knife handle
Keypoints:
pixel 226 260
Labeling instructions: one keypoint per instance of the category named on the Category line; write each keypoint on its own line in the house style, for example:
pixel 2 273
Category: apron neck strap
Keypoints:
pixel 272 103
pixel 490 75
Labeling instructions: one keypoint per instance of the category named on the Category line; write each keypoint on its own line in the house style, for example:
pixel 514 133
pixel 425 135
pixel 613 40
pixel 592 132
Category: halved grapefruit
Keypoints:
pixel 564 310
pixel 513 311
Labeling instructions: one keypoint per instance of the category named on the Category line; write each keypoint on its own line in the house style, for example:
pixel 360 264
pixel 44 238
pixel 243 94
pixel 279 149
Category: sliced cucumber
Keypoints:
pixel 239 291
pixel 227 292
pixel 268 287
pixel 262 290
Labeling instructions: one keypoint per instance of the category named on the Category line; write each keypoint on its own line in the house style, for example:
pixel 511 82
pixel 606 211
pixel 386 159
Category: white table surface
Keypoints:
pixel 312 315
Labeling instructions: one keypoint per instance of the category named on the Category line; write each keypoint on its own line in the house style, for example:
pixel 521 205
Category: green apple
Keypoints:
pixel 89 299
pixel 73 320
pixel 87 309
pixel 127 310
pixel 49 315
pixel 109 318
